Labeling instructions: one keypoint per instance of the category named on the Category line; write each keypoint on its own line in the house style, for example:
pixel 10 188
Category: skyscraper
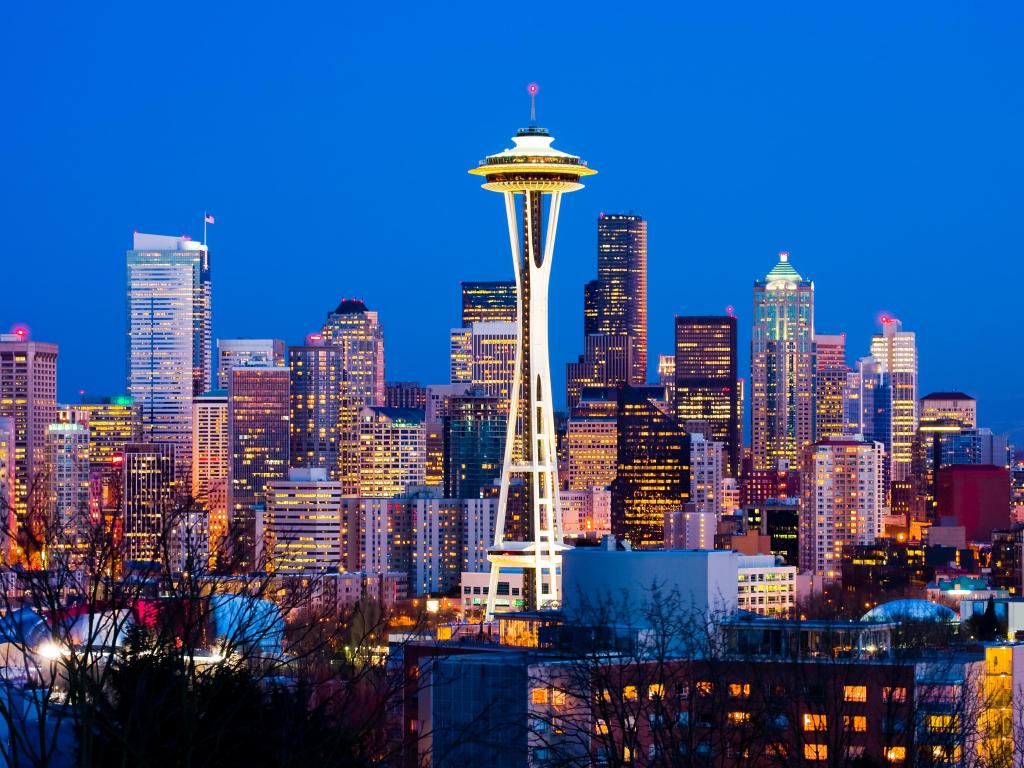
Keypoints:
pixel 591 447
pixel 706 388
pixel 7 518
pixel 830 374
pixel 211 461
pixel 782 365
pixel 488 302
pixel 67 470
pixel 474 438
pixel 896 353
pixel 169 336
pixel 234 352
pixel 961 408
pixel 707 465
pixel 653 470
pixel 357 332
pixel 531 172
pixel 843 496
pixel 405 394
pixel 147 493
pixel 392 451
pixel 317 399
pixel 616 303
pixel 28 396
pixel 667 375
pixel 484 355
pixel 113 423
pixel 258 436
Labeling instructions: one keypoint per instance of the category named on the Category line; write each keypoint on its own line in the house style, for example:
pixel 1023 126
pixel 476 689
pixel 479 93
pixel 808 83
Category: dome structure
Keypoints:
pixel 911 610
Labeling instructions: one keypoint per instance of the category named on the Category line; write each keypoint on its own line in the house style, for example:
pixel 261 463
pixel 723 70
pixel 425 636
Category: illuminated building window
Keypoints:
pixel 813 722
pixel 855 693
pixel 815 752
pixel 739 690
pixel 656 691
pixel 539 696
pixel 895 754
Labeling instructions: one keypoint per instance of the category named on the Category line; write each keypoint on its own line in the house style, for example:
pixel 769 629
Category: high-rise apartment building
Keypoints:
pixel 318 406
pixel 706 386
pixel 830 375
pixel 258 439
pixel 896 353
pixel 843 496
pixel 392 451
pixel 235 352
pixel 707 469
pixel 211 462
pixel 303 522
pixel 474 444
pixel 28 396
pixel 488 302
pixel 148 489
pixel 955 406
pixel 782 365
pixel 69 524
pixel 170 357
pixel 607 360
pixel 616 303
pixel 653 467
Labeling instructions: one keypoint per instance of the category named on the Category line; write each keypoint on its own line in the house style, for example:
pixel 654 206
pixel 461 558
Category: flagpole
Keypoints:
pixel 204 227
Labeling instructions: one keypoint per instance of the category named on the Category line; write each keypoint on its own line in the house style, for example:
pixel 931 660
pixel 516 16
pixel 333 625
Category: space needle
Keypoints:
pixel 525 175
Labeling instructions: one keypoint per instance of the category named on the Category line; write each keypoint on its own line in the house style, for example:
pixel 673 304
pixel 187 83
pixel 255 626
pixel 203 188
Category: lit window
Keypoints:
pixel 814 722
pixel 601 727
pixel 739 717
pixel 656 691
pixel 739 690
pixel 705 687
pixel 629 693
pixel 557 698
pixel 815 752
pixel 855 693
pixel 895 754
pixel 539 696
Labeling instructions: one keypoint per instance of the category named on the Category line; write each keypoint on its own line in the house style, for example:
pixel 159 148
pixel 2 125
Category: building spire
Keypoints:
pixel 532 89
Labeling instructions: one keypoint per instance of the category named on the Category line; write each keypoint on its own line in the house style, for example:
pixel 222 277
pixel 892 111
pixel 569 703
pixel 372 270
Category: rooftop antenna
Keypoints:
pixel 532 90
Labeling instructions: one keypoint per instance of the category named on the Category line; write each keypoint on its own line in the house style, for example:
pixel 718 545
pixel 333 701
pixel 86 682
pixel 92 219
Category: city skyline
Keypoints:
pixel 887 208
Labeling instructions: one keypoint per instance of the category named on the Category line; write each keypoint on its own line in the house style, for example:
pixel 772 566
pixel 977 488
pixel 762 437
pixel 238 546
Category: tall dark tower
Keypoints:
pixel 705 379
pixel 525 175
pixel 618 299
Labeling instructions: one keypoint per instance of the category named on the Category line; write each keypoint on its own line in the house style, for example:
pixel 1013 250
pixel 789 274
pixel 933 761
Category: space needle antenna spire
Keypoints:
pixel 533 88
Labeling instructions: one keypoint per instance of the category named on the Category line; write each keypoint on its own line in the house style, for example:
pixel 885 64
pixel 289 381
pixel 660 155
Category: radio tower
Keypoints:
pixel 525 175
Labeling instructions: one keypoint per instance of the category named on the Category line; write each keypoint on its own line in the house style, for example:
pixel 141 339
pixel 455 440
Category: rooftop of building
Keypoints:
pixel 350 307
pixel 783 272
pixel 947 396
pixel 410 415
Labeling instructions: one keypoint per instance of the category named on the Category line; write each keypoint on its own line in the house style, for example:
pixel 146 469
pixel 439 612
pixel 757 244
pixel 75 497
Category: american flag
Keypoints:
pixel 209 219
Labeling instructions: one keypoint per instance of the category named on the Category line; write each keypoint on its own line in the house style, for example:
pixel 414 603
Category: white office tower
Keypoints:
pixel 169 336
pixel 67 533
pixel 688 529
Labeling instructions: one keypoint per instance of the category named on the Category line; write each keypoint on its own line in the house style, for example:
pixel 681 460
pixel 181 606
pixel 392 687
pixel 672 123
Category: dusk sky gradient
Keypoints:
pixel 879 143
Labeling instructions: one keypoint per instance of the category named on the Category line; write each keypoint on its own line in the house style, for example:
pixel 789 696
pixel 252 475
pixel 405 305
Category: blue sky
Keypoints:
pixel 879 143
